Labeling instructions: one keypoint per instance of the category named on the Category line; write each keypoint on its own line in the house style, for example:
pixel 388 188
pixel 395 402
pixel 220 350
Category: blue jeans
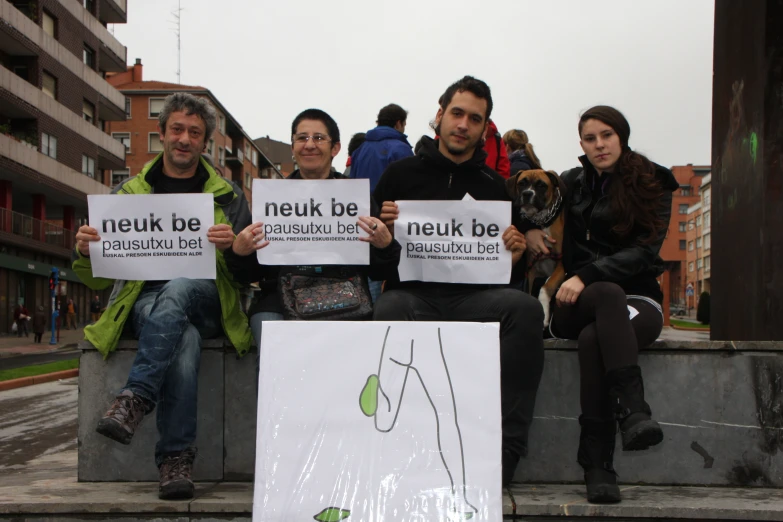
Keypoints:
pixel 169 322
pixel 376 287
pixel 256 321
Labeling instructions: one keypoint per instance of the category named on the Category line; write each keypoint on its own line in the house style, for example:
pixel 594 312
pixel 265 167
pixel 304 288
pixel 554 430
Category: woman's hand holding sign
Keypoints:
pixel 250 240
pixel 221 235
pixel 379 235
pixel 389 214
pixel 515 241
pixel 84 237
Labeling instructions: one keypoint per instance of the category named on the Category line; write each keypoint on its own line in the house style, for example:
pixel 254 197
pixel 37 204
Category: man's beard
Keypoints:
pixel 181 163
pixel 468 147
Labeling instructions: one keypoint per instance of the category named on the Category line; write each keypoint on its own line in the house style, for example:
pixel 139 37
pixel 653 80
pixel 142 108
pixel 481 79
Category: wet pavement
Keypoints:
pixel 36 421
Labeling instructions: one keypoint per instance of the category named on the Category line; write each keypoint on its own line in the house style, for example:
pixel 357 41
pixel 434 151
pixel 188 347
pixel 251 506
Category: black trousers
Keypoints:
pixel 521 342
pixel 607 338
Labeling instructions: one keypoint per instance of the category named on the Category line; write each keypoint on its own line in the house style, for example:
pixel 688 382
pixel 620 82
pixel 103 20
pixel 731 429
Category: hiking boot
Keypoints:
pixel 637 428
pixel 175 472
pixel 596 456
pixel 123 417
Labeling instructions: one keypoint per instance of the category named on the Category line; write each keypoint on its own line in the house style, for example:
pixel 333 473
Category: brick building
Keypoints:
pixel 674 248
pixel 54 106
pixel 279 153
pixel 699 242
pixel 235 154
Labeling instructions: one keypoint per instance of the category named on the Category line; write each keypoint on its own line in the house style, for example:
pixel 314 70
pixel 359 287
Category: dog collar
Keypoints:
pixel 546 217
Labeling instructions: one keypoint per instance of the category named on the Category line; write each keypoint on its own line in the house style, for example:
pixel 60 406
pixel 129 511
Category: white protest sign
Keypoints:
pixel 152 237
pixel 312 222
pixel 454 241
pixel 378 421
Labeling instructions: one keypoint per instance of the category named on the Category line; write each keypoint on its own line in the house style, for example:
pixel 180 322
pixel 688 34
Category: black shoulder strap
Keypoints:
pixel 498 139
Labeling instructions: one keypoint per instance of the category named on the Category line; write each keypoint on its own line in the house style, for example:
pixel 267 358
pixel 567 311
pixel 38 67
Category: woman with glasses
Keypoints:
pixel 315 141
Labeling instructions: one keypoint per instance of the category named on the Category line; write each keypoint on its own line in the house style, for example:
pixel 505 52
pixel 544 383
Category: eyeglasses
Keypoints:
pixel 301 139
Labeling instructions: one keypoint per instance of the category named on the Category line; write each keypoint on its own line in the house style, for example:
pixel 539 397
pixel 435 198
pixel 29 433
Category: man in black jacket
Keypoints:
pixel 448 168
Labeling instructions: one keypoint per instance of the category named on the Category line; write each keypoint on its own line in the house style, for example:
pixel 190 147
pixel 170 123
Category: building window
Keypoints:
pixel 88 56
pixel 706 220
pixel 707 264
pixel 682 226
pixel 49 25
pixel 221 124
pixel 156 105
pixel 49 85
pixel 690 225
pixel 278 166
pixel 248 180
pixel 154 144
pixel 686 190
pixel 127 107
pixel 698 221
pixel 698 242
pixel 211 149
pixel 118 176
pixel 88 111
pixel 690 246
pixel 707 241
pixel 48 145
pixel 124 138
pixel 89 5
pixel 682 244
pixel 690 267
pixel 707 197
pixel 684 208
pixel 247 150
pixel 221 157
pixel 88 166
pixel 254 157
pixel 699 263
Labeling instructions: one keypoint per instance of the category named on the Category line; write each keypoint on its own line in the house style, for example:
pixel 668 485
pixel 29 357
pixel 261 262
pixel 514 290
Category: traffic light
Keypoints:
pixel 54 279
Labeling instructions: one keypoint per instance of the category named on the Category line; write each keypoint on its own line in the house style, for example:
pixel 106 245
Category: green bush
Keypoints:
pixel 703 311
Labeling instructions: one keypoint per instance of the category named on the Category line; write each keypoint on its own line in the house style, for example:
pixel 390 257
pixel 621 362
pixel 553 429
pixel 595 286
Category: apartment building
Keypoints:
pixel 279 153
pixel 699 242
pixel 236 156
pixel 54 106
pixel 674 248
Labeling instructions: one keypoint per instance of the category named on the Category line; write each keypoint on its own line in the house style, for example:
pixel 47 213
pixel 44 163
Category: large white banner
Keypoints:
pixel 312 222
pixel 454 241
pixel 152 237
pixel 378 421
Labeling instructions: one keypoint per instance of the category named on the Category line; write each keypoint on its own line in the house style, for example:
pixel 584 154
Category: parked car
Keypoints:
pixel 677 309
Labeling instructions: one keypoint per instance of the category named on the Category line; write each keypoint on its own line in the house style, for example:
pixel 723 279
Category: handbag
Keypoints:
pixel 308 295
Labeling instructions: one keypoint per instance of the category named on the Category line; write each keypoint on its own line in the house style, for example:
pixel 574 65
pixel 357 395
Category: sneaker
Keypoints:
pixel 123 417
pixel 175 472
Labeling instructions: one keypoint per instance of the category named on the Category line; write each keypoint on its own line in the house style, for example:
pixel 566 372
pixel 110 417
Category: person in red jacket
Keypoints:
pixel 497 157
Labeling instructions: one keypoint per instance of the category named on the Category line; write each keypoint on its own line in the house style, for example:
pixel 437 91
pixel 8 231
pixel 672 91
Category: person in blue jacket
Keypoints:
pixel 383 145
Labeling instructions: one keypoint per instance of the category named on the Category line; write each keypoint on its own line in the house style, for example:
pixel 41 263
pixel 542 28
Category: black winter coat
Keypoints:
pixel 593 252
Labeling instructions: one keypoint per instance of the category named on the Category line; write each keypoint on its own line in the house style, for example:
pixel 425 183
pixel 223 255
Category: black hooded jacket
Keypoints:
pixel 593 252
pixel 429 175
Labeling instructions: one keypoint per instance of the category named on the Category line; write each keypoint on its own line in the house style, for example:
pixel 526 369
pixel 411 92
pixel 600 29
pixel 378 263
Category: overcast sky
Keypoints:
pixel 546 61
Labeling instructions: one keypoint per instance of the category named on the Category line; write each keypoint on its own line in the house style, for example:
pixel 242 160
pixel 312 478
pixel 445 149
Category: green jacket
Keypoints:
pixel 230 208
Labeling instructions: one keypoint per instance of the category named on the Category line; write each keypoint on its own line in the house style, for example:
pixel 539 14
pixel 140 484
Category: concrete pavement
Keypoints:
pixel 11 345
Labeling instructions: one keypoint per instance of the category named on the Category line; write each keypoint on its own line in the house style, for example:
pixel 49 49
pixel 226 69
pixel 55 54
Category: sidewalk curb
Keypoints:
pixel 60 348
pixel 38 379
pixel 707 330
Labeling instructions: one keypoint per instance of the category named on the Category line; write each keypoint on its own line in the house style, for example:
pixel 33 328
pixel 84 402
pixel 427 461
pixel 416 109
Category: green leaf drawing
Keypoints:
pixel 368 400
pixel 332 514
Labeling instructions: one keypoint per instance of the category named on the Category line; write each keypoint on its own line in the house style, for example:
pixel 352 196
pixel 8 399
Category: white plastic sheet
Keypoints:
pixel 377 422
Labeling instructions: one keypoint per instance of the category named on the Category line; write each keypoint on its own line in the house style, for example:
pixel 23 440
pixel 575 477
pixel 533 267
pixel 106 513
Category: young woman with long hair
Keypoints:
pixel 618 210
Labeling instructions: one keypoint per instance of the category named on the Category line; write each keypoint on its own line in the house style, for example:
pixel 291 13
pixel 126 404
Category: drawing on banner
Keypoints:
pixel 443 403
pixel 422 444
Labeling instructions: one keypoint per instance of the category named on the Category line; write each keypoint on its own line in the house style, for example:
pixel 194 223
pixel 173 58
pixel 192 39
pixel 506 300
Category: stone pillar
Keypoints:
pixel 6 205
pixel 39 213
pixel 747 175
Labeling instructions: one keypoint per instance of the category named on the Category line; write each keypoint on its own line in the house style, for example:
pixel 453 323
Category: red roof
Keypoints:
pixel 157 86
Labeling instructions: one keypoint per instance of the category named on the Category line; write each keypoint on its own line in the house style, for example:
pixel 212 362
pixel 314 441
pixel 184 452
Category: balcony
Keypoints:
pixel 113 11
pixel 113 55
pixel 237 158
pixel 111 98
pixel 14 225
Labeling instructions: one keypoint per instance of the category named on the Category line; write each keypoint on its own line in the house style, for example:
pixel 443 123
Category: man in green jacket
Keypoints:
pixel 170 318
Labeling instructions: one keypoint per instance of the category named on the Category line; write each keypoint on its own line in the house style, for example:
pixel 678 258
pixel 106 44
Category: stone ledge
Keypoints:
pixel 132 344
pixel 715 346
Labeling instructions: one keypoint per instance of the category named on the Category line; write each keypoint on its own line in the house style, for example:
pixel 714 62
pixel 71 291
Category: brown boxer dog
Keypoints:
pixel 538 196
